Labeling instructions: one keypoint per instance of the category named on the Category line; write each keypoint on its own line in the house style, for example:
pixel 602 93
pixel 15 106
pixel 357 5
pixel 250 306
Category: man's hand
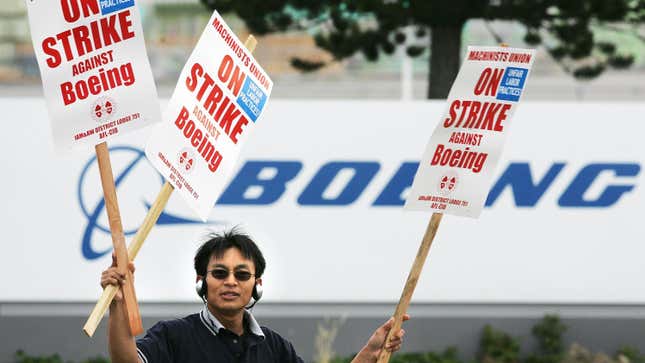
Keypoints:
pixel 120 341
pixel 376 343
pixel 111 276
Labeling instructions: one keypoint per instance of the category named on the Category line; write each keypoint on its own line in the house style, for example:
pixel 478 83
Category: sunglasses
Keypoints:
pixel 222 274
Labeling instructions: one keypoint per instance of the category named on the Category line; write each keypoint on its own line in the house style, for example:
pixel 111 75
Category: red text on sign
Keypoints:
pixel 465 138
pixel 231 73
pixel 83 39
pixel 477 115
pixel 92 62
pixel 489 81
pixel 479 55
pixel 219 106
pixel 72 9
pixel 240 51
pixel 198 139
pixel 457 158
pixel 95 84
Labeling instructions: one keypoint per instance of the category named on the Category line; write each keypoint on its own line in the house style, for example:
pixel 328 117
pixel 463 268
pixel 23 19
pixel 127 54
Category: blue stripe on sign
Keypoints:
pixel 111 6
pixel 251 99
pixel 512 84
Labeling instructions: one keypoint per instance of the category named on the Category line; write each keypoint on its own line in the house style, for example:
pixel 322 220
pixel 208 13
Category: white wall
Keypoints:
pixel 358 252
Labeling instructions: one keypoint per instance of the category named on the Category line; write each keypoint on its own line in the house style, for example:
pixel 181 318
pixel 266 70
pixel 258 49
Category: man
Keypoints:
pixel 229 269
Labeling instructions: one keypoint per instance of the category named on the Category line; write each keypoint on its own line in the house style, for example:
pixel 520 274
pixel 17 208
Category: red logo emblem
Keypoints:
pixel 103 108
pixel 186 159
pixel 448 183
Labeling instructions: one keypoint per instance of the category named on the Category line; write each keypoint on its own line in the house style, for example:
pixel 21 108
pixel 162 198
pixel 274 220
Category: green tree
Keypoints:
pixel 345 27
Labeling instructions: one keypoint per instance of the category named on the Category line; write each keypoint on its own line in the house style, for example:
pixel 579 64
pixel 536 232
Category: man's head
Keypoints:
pixel 231 264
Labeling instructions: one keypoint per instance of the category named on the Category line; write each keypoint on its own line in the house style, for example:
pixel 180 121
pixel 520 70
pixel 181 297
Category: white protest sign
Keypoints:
pixel 96 75
pixel 459 162
pixel 219 97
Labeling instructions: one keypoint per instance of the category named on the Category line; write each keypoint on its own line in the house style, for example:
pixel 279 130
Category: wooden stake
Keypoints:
pixel 158 206
pixel 413 277
pixel 411 283
pixel 104 301
pixel 118 238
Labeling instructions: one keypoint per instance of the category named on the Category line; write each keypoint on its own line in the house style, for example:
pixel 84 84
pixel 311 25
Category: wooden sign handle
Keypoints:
pixel 158 206
pixel 411 283
pixel 104 301
pixel 118 238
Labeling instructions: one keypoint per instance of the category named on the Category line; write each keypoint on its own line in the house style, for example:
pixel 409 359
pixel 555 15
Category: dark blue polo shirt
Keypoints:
pixel 200 338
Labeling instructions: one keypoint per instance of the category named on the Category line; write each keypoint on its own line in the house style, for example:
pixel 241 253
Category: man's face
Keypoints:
pixel 230 295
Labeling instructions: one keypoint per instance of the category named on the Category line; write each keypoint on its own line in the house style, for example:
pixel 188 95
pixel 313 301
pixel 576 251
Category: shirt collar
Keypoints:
pixel 211 322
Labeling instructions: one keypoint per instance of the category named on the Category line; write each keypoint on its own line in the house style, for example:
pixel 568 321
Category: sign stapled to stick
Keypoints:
pixel 224 87
pixel 219 97
pixel 98 84
pixel 457 166
pixel 96 75
pixel 459 162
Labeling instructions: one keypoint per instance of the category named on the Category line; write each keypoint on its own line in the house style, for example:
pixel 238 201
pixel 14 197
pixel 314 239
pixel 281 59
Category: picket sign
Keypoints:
pixel 458 164
pixel 149 221
pixel 98 85
pixel 215 107
pixel 95 72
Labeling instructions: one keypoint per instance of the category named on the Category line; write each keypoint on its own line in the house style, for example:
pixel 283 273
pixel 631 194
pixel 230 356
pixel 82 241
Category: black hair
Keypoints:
pixel 218 243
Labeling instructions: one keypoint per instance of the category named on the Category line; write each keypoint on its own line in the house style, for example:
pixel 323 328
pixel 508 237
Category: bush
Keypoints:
pixel 494 347
pixel 549 336
pixel 498 347
pixel 631 354
pixel 22 357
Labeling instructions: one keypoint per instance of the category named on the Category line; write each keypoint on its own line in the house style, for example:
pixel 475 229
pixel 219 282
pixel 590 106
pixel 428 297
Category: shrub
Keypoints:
pixel 498 347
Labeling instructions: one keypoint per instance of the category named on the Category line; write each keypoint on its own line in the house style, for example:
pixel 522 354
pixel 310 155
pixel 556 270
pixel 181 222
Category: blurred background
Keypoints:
pixel 588 53
pixel 173 26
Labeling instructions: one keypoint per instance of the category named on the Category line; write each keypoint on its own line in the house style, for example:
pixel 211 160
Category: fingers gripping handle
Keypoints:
pixel 109 292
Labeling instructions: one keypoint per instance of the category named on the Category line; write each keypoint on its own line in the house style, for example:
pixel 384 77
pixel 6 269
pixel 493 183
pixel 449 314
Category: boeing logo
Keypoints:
pixel 609 181
pixel 93 211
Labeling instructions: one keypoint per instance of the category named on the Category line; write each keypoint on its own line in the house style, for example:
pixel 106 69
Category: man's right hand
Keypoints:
pixel 111 276
pixel 120 341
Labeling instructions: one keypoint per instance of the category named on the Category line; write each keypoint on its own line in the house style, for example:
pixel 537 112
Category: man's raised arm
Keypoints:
pixel 372 350
pixel 120 342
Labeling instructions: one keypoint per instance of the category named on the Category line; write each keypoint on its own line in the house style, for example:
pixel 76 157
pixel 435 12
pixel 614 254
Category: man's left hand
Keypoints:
pixel 376 343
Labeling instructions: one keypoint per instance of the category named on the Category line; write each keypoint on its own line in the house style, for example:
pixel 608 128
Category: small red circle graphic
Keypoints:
pixel 186 160
pixel 102 109
pixel 448 182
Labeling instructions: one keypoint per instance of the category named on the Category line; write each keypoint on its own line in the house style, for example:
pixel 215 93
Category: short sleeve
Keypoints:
pixel 154 347
pixel 289 353
pixel 280 347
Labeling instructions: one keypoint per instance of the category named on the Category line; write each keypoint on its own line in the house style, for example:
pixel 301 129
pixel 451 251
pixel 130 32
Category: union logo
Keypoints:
pixel 448 183
pixel 186 159
pixel 103 108
pixel 128 168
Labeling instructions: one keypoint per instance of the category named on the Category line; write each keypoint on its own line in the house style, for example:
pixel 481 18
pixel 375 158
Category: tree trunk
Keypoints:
pixel 445 48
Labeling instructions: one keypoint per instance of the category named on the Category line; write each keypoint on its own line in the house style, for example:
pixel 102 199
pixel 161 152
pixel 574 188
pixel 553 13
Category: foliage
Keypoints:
pixel 498 347
pixel 374 27
pixel 22 357
pixel 495 347
pixel 549 336
pixel 447 356
pixel 631 353
pixel 96 360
